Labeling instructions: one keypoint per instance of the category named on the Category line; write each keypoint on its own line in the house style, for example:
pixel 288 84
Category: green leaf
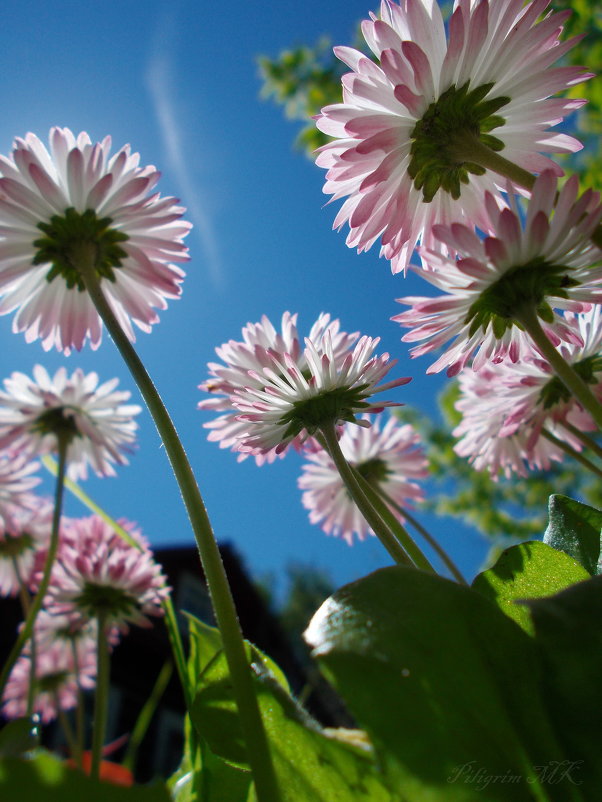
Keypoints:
pixel 527 571
pixel 568 630
pixel 205 777
pixel 16 737
pixel 311 764
pixel 447 686
pixel 46 778
pixel 575 529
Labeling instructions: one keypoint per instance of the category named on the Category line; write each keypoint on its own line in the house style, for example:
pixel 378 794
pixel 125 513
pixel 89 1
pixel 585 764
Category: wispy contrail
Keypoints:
pixel 160 83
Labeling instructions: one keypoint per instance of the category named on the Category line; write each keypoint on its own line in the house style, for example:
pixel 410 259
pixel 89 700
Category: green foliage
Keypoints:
pixel 527 571
pixel 311 763
pixel 576 529
pixel 45 777
pixel 459 702
pixel 304 80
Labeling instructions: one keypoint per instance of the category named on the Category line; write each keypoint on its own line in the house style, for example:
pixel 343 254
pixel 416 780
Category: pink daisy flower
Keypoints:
pixel 243 363
pixel 292 393
pixel 389 458
pixel 546 262
pixel 57 681
pixel 536 398
pixel 16 481
pixel 99 426
pixel 24 534
pixel 97 574
pixel 484 438
pixel 408 124
pixel 77 193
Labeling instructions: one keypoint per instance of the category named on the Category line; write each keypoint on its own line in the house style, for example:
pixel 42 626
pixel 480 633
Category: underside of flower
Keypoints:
pixel 374 471
pixel 13 547
pixel 554 392
pixel 58 421
pixel 311 414
pixel 65 235
pixel 525 285
pixel 434 163
pixel 105 601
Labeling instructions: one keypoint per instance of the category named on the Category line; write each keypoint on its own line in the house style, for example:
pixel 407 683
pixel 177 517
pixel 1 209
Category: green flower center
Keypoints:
pixel 311 414
pixel 13 547
pixel 374 471
pixel 522 286
pixel 434 160
pixel 105 601
pixel 554 392
pixel 65 234
pixel 58 421
pixel 51 683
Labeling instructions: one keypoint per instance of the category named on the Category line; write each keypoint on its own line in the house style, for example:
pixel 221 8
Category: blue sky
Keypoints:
pixel 179 82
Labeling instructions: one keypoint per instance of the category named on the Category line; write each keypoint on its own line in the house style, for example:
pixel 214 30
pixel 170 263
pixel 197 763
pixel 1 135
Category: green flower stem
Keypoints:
pixel 24 596
pixel 101 698
pixel 79 745
pixel 527 317
pixel 373 518
pixel 67 729
pixel 36 605
pixel 33 658
pixel 242 681
pixel 572 453
pixel 146 714
pixel 379 502
pixel 587 441
pixel 439 550
pixel 468 148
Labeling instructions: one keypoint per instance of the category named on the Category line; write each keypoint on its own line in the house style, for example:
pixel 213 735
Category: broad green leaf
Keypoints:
pixel 575 529
pixel 568 632
pixel 46 778
pixel 446 685
pixel 312 765
pixel 527 571
pixel 207 778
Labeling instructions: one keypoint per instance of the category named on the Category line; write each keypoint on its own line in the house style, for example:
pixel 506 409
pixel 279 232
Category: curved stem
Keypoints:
pixel 587 441
pixel 571 380
pixel 572 453
pixel 225 613
pixel 439 550
pixel 36 605
pixel 373 518
pixel 395 525
pixel 101 699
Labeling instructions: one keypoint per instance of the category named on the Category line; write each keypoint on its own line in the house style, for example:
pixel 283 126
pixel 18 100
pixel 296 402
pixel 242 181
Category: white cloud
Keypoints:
pixel 161 85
